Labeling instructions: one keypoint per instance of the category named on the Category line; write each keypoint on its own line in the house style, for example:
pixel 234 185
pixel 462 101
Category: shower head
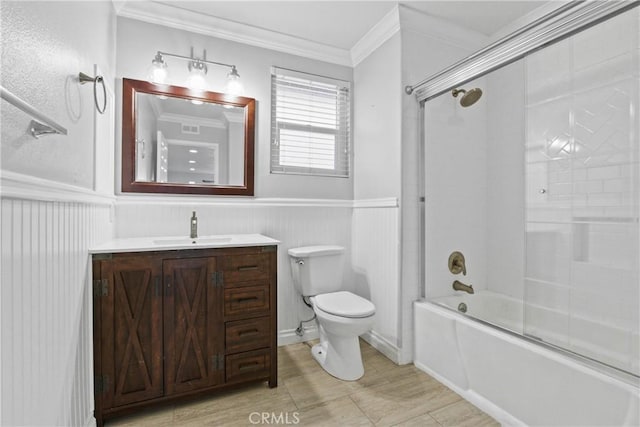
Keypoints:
pixel 469 97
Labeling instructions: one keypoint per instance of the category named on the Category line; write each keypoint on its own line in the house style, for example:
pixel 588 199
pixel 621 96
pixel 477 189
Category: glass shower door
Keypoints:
pixel 582 286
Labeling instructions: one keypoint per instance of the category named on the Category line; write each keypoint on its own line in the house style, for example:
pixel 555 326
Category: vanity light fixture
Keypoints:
pixel 158 72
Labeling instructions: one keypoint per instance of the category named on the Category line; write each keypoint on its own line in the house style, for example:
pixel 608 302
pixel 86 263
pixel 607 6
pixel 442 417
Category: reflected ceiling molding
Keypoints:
pixel 201 121
pixel 234 116
pixel 181 19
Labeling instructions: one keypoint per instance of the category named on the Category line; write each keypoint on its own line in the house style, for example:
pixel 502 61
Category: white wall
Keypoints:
pixel 293 223
pixel 428 45
pixel 137 43
pixel 44 47
pixel 455 191
pixel 377 174
pixel 377 122
pixel 505 99
pixel 50 213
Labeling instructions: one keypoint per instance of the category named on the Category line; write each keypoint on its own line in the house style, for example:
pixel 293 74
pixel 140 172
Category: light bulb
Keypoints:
pixel 234 86
pixel 196 80
pixel 157 72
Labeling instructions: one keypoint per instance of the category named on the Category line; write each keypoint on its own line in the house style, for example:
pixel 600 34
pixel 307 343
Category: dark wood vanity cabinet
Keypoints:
pixel 174 324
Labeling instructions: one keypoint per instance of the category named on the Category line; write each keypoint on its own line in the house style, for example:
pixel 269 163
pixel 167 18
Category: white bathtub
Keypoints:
pixel 516 381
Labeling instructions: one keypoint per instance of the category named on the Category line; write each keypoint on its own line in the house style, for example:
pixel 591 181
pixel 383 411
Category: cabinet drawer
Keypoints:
pixel 246 300
pixel 249 365
pixel 243 268
pixel 243 335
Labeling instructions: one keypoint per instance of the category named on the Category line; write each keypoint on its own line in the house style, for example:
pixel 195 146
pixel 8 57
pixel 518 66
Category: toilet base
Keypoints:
pixel 340 358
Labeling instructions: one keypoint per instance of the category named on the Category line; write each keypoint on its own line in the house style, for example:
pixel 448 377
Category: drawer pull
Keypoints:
pixel 248 332
pixel 248 366
pixel 247 299
pixel 248 268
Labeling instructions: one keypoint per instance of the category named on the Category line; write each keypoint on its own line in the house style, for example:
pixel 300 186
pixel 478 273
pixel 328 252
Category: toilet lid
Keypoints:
pixel 344 304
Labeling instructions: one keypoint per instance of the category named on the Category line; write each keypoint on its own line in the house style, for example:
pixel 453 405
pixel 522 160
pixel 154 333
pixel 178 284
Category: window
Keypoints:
pixel 310 124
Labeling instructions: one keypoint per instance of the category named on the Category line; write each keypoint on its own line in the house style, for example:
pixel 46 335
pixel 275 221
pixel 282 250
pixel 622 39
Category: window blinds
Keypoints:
pixel 310 124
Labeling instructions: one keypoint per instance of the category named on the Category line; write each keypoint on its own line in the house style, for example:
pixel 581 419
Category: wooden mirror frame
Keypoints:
pixel 129 184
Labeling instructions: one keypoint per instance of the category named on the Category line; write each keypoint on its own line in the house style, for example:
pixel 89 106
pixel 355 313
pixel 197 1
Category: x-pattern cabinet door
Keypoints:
pixel 193 326
pixel 131 330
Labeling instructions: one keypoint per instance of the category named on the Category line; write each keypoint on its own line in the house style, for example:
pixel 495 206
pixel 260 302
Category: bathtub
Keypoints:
pixel 515 379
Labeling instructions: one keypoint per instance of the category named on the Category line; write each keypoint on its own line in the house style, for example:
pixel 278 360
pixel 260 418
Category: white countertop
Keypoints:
pixel 170 243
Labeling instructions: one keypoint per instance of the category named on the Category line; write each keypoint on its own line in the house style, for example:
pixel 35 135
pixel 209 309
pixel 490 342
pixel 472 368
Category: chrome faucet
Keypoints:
pixel 194 226
pixel 459 286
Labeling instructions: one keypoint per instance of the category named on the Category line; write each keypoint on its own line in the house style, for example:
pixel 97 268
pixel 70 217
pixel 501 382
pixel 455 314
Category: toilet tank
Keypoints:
pixel 317 269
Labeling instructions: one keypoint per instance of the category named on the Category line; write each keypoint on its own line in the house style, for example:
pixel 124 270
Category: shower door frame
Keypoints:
pixel 559 24
pixel 562 22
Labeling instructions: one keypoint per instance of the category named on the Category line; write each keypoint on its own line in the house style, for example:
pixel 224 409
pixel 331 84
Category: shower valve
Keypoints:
pixel 457 263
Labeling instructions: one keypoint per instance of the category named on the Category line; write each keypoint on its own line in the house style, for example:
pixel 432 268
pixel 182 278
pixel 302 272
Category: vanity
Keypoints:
pixel 176 318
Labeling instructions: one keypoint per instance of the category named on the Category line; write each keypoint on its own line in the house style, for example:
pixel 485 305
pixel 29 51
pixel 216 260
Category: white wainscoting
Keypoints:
pixel 376 263
pixel 45 308
pixel 293 223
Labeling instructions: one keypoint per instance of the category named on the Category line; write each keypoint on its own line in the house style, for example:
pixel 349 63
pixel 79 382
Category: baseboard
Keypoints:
pixel 482 403
pixel 383 346
pixel 90 421
pixel 289 336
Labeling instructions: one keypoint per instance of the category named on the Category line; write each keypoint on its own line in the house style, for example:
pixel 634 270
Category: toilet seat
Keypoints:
pixel 344 304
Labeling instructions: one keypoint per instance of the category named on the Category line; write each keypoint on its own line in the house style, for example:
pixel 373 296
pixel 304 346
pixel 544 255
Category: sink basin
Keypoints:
pixel 205 240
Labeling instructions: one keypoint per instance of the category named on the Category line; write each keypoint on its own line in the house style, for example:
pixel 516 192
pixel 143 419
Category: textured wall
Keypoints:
pixel 44 47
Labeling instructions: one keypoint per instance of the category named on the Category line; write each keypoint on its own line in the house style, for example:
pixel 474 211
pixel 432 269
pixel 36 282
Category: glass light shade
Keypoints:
pixel 157 72
pixel 234 85
pixel 196 79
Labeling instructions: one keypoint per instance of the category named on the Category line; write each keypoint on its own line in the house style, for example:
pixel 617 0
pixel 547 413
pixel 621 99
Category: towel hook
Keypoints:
pixel 84 78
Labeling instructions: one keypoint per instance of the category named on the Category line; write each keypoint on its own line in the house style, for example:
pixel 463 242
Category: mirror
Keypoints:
pixel 184 141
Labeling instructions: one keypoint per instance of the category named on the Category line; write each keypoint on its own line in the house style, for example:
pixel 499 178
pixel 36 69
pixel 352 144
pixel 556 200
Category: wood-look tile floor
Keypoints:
pixel 387 395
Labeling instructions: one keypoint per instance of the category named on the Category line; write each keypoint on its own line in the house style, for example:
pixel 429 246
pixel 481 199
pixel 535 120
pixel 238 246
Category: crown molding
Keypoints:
pixel 386 28
pixel 421 23
pixel 182 19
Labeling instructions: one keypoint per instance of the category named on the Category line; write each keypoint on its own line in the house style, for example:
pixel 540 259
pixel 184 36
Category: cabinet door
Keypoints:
pixel 131 330
pixel 193 327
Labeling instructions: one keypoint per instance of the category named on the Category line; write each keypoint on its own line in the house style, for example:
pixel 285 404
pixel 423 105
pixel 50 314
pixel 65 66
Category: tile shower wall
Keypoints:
pixel 582 284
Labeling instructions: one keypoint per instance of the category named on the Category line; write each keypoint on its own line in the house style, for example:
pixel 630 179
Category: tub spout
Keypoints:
pixel 459 286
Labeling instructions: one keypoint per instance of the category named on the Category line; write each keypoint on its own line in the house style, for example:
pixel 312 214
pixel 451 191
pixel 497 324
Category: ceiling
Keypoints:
pixel 341 24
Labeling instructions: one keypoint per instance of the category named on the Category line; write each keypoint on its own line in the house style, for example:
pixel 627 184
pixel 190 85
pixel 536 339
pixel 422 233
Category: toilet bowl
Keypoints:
pixel 341 316
pixel 339 349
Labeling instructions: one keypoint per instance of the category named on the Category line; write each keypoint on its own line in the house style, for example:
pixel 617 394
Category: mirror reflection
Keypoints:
pixel 188 141
pixel 184 141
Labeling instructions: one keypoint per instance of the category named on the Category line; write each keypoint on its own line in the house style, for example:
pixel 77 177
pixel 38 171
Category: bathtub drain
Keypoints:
pixel 462 307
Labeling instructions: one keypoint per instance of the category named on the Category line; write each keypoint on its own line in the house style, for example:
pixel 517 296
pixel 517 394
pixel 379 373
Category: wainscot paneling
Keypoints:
pixel 45 317
pixel 375 260
pixel 293 223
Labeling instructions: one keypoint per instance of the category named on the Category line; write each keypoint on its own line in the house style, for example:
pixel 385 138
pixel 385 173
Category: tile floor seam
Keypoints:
pixel 361 410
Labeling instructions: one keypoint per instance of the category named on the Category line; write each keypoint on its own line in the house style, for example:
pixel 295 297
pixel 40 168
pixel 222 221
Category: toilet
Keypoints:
pixel 341 316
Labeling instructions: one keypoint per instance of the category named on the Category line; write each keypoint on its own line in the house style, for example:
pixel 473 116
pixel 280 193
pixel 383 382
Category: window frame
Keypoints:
pixel 342 133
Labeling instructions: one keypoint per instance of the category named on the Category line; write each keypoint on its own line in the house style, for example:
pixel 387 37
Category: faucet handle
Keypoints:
pixel 457 263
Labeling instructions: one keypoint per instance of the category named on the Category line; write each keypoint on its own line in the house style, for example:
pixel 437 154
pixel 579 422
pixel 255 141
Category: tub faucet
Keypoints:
pixel 194 226
pixel 459 286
